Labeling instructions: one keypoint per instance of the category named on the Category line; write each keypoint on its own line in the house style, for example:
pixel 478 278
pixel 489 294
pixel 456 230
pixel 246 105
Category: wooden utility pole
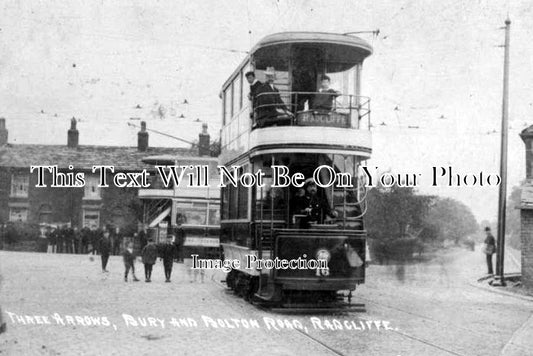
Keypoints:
pixel 500 279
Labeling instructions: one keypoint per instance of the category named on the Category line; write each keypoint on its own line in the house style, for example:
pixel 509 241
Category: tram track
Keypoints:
pixel 223 297
pixel 420 316
pixel 227 298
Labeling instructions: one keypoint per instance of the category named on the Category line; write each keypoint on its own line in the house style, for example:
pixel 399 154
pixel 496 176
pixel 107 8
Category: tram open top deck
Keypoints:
pixel 300 60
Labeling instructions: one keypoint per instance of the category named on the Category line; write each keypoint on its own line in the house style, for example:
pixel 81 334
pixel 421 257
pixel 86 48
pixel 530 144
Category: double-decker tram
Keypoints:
pixel 294 106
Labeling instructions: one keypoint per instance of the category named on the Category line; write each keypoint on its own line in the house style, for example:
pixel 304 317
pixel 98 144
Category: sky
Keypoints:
pixel 434 79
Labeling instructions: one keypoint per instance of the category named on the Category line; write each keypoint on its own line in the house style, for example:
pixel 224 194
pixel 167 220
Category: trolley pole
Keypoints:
pixel 500 279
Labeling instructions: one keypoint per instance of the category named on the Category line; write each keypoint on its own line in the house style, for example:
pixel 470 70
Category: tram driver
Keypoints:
pixel 312 207
pixel 270 107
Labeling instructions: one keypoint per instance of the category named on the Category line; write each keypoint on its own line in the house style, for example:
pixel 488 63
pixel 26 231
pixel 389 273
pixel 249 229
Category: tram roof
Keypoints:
pixel 273 49
pixel 318 38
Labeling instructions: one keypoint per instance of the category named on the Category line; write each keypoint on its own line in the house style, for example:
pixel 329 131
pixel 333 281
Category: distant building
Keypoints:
pixel 88 206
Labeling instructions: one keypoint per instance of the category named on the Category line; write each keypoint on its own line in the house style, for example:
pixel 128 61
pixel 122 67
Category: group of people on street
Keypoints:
pixel 66 239
pixel 267 103
pixel 149 253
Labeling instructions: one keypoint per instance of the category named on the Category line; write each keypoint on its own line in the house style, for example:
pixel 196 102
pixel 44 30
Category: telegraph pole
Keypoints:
pixel 500 279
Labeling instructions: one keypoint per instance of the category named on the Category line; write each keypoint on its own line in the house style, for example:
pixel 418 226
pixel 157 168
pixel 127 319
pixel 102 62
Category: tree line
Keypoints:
pixel 403 224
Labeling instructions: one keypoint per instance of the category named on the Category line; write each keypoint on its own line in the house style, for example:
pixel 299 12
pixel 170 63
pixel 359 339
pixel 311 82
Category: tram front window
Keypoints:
pixel 307 63
pixel 271 203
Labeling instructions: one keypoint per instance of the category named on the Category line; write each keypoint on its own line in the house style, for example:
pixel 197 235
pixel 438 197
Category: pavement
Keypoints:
pixel 63 305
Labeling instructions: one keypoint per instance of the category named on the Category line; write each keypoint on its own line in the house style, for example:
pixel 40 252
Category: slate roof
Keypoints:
pixel 84 157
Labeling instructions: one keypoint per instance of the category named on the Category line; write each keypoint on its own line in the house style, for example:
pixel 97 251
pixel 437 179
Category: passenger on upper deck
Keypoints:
pixel 270 108
pixel 254 87
pixel 326 96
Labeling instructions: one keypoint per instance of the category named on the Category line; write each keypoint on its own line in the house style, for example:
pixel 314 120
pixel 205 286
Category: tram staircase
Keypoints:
pixel 265 229
pixel 153 208
pixel 350 204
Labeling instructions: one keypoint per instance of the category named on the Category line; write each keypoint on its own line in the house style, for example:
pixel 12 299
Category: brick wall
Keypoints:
pixel 526 235
pixel 117 206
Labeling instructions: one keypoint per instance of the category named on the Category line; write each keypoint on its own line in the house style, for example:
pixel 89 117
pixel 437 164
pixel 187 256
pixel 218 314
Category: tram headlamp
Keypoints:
pixel 323 254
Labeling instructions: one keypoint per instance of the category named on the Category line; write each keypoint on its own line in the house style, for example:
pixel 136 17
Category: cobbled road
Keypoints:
pixel 56 304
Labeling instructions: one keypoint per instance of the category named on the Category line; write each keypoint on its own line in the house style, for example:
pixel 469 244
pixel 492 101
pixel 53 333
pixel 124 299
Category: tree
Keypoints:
pixel 512 217
pixel 394 221
pixel 392 212
pixel 451 219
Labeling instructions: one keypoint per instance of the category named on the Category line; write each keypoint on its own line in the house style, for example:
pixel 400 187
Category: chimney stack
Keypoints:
pixel 3 132
pixel 73 134
pixel 142 138
pixel 203 142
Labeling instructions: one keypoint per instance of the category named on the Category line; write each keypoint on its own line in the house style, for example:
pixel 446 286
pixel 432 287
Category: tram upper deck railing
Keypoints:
pixel 328 109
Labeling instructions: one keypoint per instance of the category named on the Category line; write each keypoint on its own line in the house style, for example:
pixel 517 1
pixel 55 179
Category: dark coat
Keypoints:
pixel 149 254
pixel 104 246
pixel 490 241
pixel 167 252
pixel 129 257
pixel 319 207
pixel 254 88
pixel 268 100
pixel 324 99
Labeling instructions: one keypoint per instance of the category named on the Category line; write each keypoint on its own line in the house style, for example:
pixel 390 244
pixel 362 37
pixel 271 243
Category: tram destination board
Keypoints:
pixel 320 118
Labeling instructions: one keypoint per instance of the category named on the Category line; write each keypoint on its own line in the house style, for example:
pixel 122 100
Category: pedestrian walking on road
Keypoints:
pixel 149 256
pixel 104 246
pixel 167 252
pixel 489 249
pixel 129 262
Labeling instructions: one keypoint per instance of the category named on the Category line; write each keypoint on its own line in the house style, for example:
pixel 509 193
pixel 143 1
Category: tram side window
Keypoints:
pixel 237 90
pixel 225 204
pixel 227 105
pixel 234 201
pixel 241 86
pixel 242 199
pixel 193 213
pixel 232 100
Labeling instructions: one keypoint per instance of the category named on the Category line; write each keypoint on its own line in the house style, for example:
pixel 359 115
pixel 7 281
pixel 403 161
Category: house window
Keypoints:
pixel 45 214
pixel 18 214
pixel 91 219
pixel 92 190
pixel 19 185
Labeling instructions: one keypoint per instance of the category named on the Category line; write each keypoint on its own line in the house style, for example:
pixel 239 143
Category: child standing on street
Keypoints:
pixel 129 262
pixel 149 255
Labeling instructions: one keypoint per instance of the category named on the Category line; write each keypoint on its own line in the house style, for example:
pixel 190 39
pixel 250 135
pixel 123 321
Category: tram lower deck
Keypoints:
pixel 304 110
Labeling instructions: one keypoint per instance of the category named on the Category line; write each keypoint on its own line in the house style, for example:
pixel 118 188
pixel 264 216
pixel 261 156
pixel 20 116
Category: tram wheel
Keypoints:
pixel 230 279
